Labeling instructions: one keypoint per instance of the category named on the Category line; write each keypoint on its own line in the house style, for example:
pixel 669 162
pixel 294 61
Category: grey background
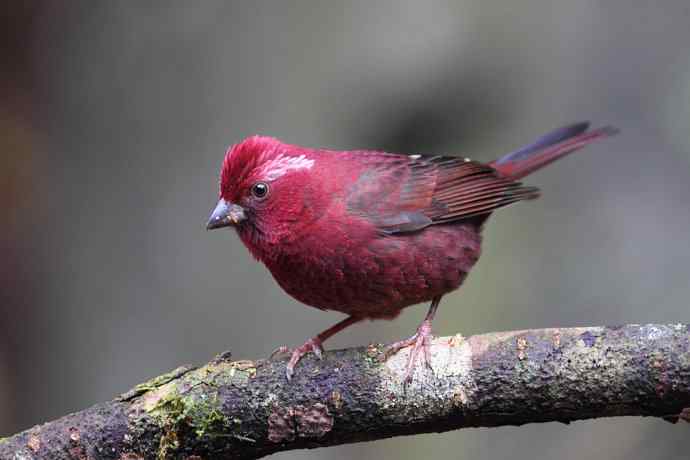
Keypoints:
pixel 117 115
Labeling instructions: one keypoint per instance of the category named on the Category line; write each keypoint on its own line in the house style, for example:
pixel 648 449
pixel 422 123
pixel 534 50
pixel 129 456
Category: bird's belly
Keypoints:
pixel 378 279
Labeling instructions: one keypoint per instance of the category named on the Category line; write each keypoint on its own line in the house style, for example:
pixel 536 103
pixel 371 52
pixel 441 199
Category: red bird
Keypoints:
pixel 368 233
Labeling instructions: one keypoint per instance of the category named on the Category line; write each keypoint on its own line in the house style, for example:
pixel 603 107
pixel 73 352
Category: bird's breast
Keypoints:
pixel 376 276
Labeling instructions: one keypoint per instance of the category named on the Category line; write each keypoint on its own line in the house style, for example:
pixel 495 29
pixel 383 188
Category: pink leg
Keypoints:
pixel 420 342
pixel 314 344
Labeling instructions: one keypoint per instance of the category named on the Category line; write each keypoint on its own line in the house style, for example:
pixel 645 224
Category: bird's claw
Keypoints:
pixel 420 343
pixel 312 345
pixel 281 350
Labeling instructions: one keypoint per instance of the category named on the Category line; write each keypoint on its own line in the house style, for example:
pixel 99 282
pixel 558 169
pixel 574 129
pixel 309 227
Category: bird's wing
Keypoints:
pixel 401 194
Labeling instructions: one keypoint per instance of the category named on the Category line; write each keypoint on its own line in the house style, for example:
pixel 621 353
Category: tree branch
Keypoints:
pixel 247 409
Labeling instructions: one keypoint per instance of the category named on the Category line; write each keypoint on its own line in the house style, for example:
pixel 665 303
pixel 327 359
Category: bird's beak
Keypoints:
pixel 225 214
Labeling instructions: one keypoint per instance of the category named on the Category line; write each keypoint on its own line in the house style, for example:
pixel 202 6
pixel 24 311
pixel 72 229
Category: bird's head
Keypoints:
pixel 268 190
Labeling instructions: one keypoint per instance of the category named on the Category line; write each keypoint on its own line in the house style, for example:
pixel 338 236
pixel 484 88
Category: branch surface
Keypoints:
pixel 247 409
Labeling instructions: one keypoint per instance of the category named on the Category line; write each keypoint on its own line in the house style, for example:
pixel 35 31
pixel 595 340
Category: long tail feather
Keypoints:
pixel 549 148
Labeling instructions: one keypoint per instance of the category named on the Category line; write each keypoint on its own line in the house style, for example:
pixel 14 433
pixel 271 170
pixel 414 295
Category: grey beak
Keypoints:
pixel 225 214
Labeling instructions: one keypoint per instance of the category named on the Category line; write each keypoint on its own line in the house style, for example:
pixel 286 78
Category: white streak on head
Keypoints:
pixel 415 157
pixel 282 164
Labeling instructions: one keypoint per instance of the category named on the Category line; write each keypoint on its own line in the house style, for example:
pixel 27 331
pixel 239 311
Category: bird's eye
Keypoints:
pixel 260 189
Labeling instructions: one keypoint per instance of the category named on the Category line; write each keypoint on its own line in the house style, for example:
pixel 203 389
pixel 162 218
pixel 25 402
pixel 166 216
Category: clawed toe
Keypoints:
pixel 395 347
pixel 281 350
pixel 421 348
pixel 312 345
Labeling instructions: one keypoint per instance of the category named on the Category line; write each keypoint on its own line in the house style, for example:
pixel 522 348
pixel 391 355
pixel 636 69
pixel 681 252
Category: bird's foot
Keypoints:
pixel 312 345
pixel 421 347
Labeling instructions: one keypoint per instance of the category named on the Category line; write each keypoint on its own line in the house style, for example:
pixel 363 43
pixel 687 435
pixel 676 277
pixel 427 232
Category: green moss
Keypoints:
pixel 206 418
pixel 161 379
pixel 168 412
pixel 189 407
pixel 197 412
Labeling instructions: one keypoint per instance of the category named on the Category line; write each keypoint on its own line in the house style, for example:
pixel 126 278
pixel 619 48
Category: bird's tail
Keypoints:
pixel 549 148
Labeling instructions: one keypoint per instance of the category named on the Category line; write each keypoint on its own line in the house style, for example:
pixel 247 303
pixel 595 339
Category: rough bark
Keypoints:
pixel 247 409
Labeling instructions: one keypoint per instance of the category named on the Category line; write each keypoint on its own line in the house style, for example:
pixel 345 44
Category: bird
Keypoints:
pixel 368 233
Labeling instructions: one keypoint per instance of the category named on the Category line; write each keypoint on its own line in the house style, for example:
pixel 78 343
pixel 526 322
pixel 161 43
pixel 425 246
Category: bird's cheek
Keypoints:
pixel 278 227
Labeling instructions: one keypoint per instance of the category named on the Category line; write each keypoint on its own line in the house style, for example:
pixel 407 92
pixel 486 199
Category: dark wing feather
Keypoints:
pixel 401 194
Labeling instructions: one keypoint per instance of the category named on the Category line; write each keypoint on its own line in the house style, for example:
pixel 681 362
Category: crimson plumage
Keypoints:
pixel 368 233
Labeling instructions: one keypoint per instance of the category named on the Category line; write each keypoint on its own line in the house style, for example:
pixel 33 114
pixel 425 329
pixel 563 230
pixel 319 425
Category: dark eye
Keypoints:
pixel 260 189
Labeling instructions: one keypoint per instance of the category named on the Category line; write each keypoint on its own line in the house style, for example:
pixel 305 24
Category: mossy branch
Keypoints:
pixel 247 409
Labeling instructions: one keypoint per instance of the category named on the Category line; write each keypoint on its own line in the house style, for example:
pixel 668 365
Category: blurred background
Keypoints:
pixel 115 117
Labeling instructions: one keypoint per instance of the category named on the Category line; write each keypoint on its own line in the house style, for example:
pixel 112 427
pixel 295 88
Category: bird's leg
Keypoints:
pixel 314 344
pixel 420 342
